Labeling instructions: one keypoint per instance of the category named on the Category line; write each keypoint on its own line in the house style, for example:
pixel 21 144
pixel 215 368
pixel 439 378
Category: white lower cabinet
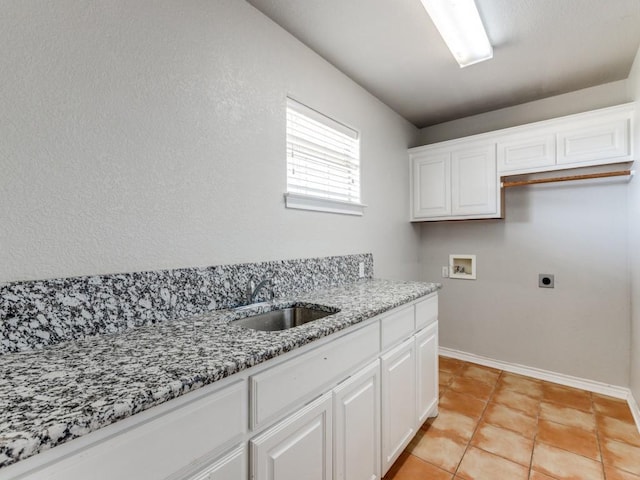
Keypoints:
pixel 341 410
pixel 356 410
pixel 298 447
pixel 232 466
pixel 398 401
pixel 160 443
pixel 427 372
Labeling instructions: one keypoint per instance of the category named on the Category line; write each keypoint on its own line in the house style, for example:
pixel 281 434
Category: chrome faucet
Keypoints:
pixel 252 293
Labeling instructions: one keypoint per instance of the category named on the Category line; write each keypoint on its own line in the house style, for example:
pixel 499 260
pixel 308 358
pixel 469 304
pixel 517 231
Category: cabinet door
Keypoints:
pixel 427 372
pixel 398 401
pixel 298 447
pixel 163 445
pixel 431 186
pixel 427 311
pixel 595 140
pixel 397 325
pixel 232 466
pixel 356 409
pixel 474 188
pixel 526 152
pixel 304 377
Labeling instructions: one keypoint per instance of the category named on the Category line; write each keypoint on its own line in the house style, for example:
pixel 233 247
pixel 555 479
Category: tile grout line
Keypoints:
pixel 488 401
pixel 533 444
pixel 478 422
pixel 534 437
pixel 563 405
pixel 502 372
pixel 459 373
pixel 455 472
pixel 454 376
pixel 441 393
pixel 596 431
pixel 536 416
pixel 595 418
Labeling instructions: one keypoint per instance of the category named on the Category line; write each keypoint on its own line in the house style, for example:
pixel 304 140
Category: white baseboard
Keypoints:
pixel 560 378
pixel 635 409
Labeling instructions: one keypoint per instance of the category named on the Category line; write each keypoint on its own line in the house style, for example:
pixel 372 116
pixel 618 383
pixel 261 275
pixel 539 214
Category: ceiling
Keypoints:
pixel 541 48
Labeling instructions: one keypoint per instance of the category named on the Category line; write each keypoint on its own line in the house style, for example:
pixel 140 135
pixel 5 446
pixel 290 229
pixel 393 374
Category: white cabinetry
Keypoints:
pixel 304 445
pixel 332 409
pixel 431 185
pixel 376 410
pixel 356 414
pixel 298 447
pixel 526 150
pixel 232 466
pixel 586 139
pixel 409 376
pixel 282 388
pixel 398 401
pixel 591 139
pixel 426 365
pixel 474 182
pixel 397 326
pixel 458 179
pixel 161 443
pixel 454 183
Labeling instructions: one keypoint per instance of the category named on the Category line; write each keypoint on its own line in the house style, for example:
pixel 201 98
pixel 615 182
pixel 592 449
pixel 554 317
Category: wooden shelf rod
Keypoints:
pixel 568 178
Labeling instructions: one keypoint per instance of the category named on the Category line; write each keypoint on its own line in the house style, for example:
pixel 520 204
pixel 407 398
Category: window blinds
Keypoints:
pixel 323 156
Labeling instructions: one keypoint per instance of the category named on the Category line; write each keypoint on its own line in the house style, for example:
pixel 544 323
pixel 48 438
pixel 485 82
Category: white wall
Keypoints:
pixel 149 134
pixel 634 240
pixel 600 96
pixel 577 231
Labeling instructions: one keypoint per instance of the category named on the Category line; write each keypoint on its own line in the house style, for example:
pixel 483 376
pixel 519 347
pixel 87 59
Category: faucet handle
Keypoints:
pixel 250 287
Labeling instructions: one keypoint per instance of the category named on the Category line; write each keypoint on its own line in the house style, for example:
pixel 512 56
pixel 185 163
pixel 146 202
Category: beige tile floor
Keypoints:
pixel 496 425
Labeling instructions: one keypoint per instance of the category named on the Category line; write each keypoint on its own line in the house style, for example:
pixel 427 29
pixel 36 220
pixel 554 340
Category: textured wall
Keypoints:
pixel 577 231
pixel 583 100
pixel 37 314
pixel 634 240
pixel 150 134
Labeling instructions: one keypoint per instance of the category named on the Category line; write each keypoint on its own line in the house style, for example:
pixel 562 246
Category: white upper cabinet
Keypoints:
pixel 523 151
pixel 432 185
pixel 474 183
pixel 455 183
pixel 459 179
pixel 594 139
pixel 585 139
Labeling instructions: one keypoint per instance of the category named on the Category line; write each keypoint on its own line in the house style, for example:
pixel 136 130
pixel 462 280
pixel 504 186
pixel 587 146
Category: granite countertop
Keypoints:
pixel 53 395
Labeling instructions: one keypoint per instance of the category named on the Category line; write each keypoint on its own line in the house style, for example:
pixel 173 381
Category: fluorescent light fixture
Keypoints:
pixel 458 21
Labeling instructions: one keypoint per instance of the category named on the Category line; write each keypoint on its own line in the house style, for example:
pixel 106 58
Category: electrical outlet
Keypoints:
pixel 361 270
pixel 546 280
pixel 445 272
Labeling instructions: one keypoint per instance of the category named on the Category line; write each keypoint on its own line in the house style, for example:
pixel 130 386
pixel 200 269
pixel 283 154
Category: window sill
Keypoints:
pixel 306 202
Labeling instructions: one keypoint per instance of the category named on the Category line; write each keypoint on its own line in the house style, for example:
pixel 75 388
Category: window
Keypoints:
pixel 323 163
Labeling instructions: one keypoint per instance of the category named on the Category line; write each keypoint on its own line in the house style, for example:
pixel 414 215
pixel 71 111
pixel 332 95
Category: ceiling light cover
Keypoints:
pixel 459 24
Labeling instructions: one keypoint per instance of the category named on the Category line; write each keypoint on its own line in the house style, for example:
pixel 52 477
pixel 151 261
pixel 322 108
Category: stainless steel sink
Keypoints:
pixel 282 319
